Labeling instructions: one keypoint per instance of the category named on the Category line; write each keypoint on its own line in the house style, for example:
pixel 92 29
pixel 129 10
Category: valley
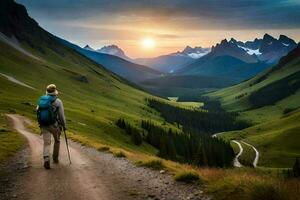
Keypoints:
pixel 218 122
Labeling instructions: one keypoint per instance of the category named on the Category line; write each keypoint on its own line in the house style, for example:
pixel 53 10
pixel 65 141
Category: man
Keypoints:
pixel 50 114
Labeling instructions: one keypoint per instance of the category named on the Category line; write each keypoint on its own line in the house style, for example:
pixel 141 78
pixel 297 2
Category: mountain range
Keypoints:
pixel 235 60
pixel 268 49
pixel 174 61
pixel 96 98
pixel 238 59
pixel 124 68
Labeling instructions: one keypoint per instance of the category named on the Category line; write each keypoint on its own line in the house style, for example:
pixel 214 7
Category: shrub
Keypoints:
pixel 119 154
pixel 103 148
pixel 153 164
pixel 13 111
pixel 288 110
pixel 3 130
pixel 266 191
pixel 187 177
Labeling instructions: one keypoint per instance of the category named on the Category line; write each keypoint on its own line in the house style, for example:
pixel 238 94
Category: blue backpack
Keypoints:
pixel 45 113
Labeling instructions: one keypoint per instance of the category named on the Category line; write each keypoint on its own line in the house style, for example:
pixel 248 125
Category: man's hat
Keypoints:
pixel 51 89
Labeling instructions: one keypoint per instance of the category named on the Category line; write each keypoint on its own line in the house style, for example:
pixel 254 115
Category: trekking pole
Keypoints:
pixel 67 146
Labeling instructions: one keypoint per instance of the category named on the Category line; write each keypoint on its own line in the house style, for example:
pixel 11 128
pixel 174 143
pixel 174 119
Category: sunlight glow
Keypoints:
pixel 148 43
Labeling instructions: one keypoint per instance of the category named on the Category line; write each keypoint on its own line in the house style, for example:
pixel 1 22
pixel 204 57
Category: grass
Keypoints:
pixel 187 105
pixel 98 104
pixel 153 164
pixel 250 184
pixel 275 134
pixel 187 177
pixel 10 141
pixel 247 156
pixel 277 140
pixel 229 100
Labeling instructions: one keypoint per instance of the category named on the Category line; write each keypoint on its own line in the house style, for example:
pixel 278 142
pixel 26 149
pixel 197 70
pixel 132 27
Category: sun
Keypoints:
pixel 148 43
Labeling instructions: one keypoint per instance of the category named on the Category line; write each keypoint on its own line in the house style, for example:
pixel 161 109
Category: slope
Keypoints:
pixel 173 85
pixel 94 98
pixel 277 140
pixel 227 66
pixel 271 100
pixel 275 89
pixel 166 63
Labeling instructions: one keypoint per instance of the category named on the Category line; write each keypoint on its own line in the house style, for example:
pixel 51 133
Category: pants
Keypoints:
pixel 47 132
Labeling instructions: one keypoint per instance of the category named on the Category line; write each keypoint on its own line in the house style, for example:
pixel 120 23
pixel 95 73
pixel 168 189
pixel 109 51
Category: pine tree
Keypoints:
pixel 296 168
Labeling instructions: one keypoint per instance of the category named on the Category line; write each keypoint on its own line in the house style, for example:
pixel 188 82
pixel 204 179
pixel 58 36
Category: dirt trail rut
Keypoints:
pixel 92 175
pixel 236 161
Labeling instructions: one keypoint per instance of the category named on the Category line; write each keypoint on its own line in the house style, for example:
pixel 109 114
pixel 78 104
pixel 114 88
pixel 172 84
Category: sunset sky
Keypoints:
pixel 170 24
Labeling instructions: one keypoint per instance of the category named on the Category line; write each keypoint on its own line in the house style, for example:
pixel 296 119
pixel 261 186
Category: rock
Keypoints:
pixel 162 171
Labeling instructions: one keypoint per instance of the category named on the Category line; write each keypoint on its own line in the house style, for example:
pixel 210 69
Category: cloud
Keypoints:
pixel 173 23
pixel 211 14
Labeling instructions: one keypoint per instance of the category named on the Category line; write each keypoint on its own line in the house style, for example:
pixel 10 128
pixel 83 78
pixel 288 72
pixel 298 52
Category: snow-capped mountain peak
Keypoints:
pixel 113 50
pixel 251 51
pixel 268 49
pixel 195 53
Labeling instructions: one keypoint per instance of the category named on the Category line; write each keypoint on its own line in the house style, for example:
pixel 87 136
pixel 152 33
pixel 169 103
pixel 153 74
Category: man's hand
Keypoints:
pixel 64 128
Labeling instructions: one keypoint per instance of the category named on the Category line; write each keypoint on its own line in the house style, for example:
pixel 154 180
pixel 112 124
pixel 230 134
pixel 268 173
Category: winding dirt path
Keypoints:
pixel 12 79
pixel 92 175
pixel 236 161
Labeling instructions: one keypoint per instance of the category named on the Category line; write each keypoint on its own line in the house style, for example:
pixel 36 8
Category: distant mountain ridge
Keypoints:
pixel 124 68
pixel 111 50
pixel 195 53
pixel 268 49
pixel 238 59
pixel 174 61
pixel 114 50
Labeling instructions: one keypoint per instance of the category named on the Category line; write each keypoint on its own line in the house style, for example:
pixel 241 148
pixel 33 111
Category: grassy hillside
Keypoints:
pixel 270 100
pixel 96 104
pixel 93 97
pixel 277 141
pixel 276 81
pixel 177 85
pixel 226 66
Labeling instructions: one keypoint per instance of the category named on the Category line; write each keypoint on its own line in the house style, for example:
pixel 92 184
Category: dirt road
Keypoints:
pixel 92 175
pixel 236 161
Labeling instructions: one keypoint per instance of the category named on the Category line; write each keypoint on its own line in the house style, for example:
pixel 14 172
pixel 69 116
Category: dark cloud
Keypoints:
pixel 213 14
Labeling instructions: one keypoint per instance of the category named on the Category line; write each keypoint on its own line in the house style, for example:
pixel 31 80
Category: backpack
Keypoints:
pixel 45 113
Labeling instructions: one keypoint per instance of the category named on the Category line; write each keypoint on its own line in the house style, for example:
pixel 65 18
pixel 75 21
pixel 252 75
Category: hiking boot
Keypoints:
pixel 47 164
pixel 55 160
